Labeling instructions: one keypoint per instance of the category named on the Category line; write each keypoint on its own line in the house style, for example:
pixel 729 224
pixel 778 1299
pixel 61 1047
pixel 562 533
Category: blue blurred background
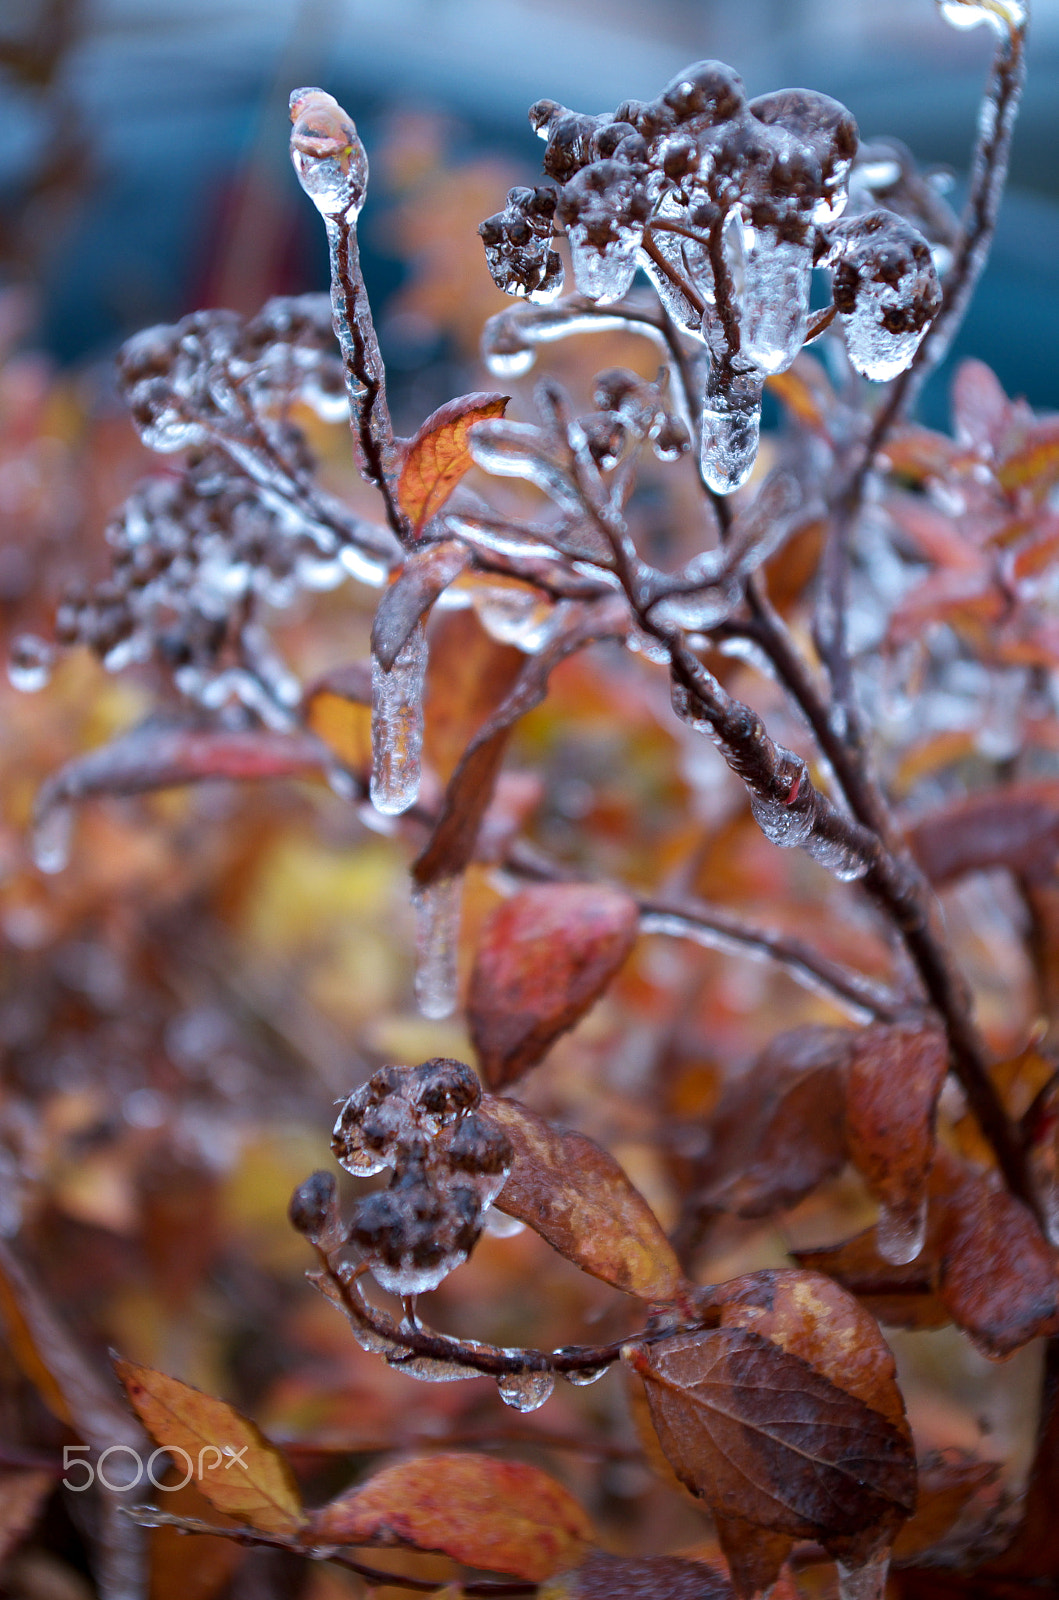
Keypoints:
pixel 143 167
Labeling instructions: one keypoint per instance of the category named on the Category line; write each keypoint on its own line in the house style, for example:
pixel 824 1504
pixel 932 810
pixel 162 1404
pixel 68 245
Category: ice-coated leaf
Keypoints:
pixel 239 1471
pixel 779 1130
pixel 500 1515
pixel 997 1275
pixel 439 455
pixel 604 1577
pixel 575 1195
pixel 46 1352
pixel 766 1438
pixel 545 956
pixel 893 1081
pixel 411 592
pixel 22 1497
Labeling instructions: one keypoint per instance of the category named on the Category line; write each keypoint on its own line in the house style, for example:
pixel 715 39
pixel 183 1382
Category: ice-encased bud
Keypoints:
pixel 707 92
pixel 415 1232
pixel 603 209
pixel 569 135
pixel 731 430
pixel 885 289
pixel 328 157
pixel 518 246
pixel 829 131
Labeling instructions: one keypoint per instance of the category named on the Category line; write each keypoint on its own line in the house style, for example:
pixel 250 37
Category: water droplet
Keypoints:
pixel 510 363
pixel 53 838
pixel 437 946
pixel 901 1233
pixel 397 725
pixel 525 1391
pixel 30 663
pixel 583 1376
pixel 866 1582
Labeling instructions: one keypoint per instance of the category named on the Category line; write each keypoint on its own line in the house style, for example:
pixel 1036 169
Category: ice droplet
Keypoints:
pixel 437 945
pixel 328 156
pixel 731 429
pixel 428 1369
pixel 525 1391
pixel 901 1234
pixel 783 824
pixel 29 664
pixel 53 837
pixel 583 1376
pixel 1002 14
pixel 866 1582
pixel 397 725
pixel 777 274
pixel 604 275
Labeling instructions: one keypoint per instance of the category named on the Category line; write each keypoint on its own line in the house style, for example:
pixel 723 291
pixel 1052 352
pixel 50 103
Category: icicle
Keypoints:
pixel 866 1582
pixel 525 1391
pixel 731 429
pixel 774 313
pixel 437 946
pixel 604 275
pixel 53 837
pixel 397 725
pixel 900 1233
pixel 30 663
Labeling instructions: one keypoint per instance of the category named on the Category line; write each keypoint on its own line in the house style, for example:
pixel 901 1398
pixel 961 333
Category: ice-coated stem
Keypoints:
pixel 437 908
pixel 397 725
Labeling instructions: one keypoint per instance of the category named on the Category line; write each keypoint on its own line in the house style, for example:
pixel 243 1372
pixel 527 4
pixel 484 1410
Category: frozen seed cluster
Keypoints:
pixel 727 204
pixel 449 1164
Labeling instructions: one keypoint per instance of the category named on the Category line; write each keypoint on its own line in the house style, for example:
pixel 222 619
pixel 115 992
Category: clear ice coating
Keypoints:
pixel 886 291
pixel 53 838
pixel 518 450
pixel 731 429
pixel 841 860
pixel 525 1391
pixel 604 274
pixel 30 662
pixel 583 1376
pixel 328 156
pixel 1002 14
pixel 782 824
pixel 774 305
pixel 866 1582
pixel 900 1234
pixel 397 725
pixel 437 910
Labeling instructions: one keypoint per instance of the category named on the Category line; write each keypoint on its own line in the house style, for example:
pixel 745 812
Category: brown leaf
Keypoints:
pixel 949 1482
pixel 412 590
pixel 1016 827
pixel 893 1081
pixel 22 1497
pixel 239 1471
pixel 755 1557
pixel 779 1130
pixel 468 676
pixel 337 709
pixel 575 1195
pixel 438 456
pixel 500 1515
pixel 997 1275
pixel 546 955
pixel 765 1438
pixel 604 1577
pixel 900 1296
pixel 46 1352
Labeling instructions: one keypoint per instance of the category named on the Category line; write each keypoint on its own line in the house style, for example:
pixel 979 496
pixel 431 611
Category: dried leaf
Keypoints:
pixel 468 677
pixel 239 1471
pixel 575 1195
pixel 1016 827
pixel 439 456
pixel 500 1515
pixel 46 1352
pixel 604 1577
pixel 412 590
pixel 546 955
pixel 337 709
pixel 997 1275
pixel 902 1296
pixel 949 1482
pixel 893 1081
pixel 22 1497
pixel 765 1438
pixel 779 1130
pixel 755 1557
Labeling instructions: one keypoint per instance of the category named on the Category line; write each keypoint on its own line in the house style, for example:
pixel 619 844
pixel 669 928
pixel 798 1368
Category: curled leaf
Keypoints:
pixel 439 455
pixel 239 1471
pixel 412 590
pixel 500 1515
pixel 575 1195
pixel 545 956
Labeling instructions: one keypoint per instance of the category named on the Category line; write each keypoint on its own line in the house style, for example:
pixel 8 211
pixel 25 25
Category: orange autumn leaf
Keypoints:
pixel 239 1471
pixel 500 1515
pixel 439 454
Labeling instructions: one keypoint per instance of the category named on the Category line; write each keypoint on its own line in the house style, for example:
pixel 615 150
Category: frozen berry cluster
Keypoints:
pixel 727 204
pixel 449 1164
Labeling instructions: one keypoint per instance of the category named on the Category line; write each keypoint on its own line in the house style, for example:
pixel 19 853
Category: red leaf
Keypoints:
pixel 894 1078
pixel 500 1515
pixel 1034 465
pixel 575 1195
pixel 545 956
pixel 439 455
pixel 1016 827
